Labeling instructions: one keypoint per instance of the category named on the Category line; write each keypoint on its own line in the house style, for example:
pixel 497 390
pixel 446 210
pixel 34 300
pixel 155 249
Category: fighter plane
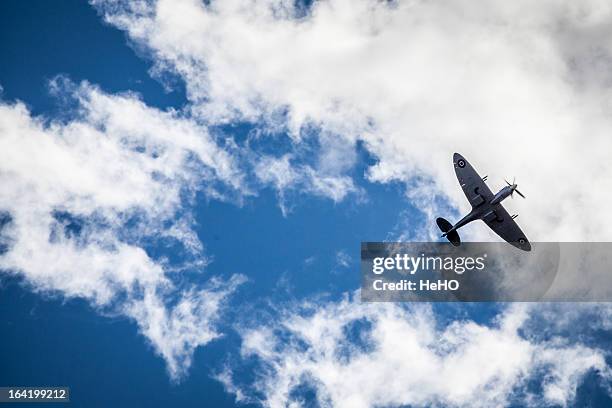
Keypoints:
pixel 485 206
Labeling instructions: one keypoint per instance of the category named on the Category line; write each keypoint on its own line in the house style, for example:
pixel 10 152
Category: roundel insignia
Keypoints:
pixel 461 163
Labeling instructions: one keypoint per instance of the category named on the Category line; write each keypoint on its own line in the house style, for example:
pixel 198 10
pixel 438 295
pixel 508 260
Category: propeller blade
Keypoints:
pixel 519 193
pixel 507 182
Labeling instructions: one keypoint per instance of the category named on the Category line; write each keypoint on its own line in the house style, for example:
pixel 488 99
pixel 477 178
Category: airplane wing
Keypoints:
pixel 503 225
pixel 472 184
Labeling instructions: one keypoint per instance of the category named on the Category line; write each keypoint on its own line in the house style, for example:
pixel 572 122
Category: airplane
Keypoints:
pixel 485 206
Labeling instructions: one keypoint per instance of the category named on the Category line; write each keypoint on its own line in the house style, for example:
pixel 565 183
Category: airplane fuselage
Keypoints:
pixel 484 211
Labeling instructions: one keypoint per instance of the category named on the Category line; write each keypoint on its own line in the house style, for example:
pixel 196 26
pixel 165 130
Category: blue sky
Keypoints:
pixel 293 235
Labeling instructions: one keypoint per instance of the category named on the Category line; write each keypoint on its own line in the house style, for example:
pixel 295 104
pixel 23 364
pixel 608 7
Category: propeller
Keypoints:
pixel 514 187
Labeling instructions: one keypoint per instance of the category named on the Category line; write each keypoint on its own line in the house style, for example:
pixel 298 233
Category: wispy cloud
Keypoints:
pixel 84 196
pixel 343 259
pixel 288 180
pixel 352 354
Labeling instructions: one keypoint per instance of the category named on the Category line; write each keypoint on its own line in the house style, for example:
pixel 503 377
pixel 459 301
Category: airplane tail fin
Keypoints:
pixel 445 227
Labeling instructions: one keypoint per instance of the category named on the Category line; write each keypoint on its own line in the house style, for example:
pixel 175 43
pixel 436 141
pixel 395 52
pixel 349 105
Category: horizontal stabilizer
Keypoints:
pixel 446 226
pixel 453 237
pixel 443 224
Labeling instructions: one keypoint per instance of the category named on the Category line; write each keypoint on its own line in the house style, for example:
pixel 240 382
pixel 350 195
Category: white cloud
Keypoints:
pixel 343 259
pixel 287 178
pixel 120 173
pixel 361 355
pixel 520 88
